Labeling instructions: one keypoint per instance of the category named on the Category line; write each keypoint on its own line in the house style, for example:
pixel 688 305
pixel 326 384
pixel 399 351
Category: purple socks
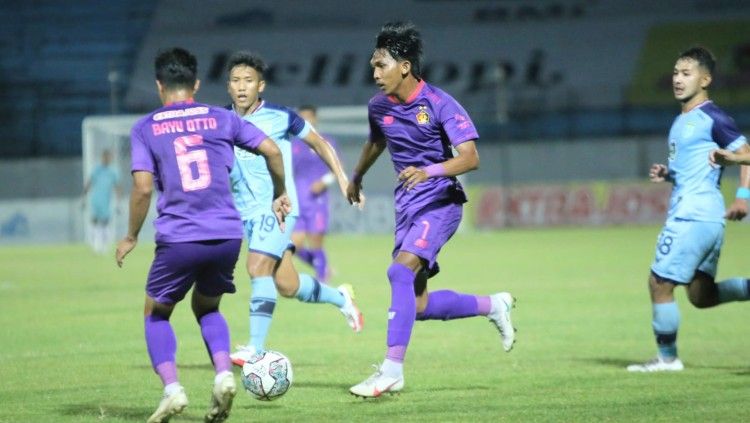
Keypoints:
pixel 441 305
pixel 403 310
pixel 162 345
pixel 448 305
pixel 317 259
pixel 305 255
pixel 216 337
pixel 320 263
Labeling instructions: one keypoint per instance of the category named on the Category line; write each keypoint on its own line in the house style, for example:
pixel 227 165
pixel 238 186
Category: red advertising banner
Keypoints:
pixel 584 204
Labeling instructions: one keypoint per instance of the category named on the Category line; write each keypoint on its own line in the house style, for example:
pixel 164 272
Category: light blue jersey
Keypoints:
pixel 693 234
pixel 252 186
pixel 696 195
pixel 103 181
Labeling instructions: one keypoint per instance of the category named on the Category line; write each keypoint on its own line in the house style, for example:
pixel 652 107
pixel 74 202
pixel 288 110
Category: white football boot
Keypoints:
pixel 658 364
pixel 169 406
pixel 221 399
pixel 353 316
pixel 242 354
pixel 502 303
pixel 377 384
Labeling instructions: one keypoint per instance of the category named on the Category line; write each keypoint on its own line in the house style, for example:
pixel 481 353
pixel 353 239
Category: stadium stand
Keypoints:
pixel 56 59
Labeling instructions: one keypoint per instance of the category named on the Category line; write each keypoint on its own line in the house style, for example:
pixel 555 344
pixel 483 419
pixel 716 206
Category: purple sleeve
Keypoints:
pixel 724 131
pixel 246 135
pixel 141 159
pixel 456 123
pixel 376 134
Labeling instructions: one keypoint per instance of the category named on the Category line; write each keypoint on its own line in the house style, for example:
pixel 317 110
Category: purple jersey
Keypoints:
pixel 308 168
pixel 189 149
pixel 420 132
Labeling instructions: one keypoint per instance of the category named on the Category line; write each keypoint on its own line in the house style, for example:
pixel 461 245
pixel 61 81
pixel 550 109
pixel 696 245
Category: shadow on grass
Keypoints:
pixel 321 385
pixel 619 363
pixel 453 388
pixel 182 366
pixel 258 404
pixel 622 363
pixel 108 411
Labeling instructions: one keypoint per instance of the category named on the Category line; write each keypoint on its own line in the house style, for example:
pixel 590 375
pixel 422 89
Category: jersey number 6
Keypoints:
pixel 185 160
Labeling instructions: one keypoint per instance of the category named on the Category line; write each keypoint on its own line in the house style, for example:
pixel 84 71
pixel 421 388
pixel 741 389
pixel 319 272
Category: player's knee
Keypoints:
pixel 286 284
pixel 199 311
pixel 259 269
pixel 699 302
pixel 161 311
pixel 203 305
pixel 661 289
pixel 285 289
pixel 703 298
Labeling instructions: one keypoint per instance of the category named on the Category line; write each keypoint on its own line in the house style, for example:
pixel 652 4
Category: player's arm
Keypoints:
pixel 739 207
pixel 466 160
pixel 726 134
pixel 326 152
pixel 282 206
pixel 723 157
pixel 140 200
pixel 370 153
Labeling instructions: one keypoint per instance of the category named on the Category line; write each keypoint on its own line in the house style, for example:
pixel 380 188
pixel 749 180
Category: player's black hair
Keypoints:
pixel 403 41
pixel 308 107
pixel 176 68
pixel 702 55
pixel 248 59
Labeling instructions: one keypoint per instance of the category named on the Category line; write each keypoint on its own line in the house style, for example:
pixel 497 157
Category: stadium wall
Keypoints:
pixel 515 183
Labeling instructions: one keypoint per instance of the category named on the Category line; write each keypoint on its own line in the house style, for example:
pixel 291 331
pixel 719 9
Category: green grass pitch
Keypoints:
pixel 73 348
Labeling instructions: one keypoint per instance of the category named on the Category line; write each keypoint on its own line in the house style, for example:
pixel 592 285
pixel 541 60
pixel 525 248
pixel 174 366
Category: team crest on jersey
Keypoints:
pixel 688 130
pixel 672 150
pixel 422 116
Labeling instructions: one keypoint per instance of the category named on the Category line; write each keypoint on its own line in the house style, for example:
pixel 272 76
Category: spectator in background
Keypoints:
pixel 102 182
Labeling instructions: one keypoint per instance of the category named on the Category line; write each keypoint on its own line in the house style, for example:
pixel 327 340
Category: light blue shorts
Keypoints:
pixel 265 237
pixel 685 247
pixel 101 210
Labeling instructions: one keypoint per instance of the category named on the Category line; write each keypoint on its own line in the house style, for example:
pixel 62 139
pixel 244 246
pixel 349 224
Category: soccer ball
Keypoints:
pixel 267 375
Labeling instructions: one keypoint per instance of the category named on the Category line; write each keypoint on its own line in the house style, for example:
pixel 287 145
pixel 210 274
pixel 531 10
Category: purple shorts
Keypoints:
pixel 425 232
pixel 313 218
pixel 177 265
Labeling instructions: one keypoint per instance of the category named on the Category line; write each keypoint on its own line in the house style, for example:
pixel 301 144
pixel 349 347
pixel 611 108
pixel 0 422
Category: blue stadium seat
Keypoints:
pixel 55 71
